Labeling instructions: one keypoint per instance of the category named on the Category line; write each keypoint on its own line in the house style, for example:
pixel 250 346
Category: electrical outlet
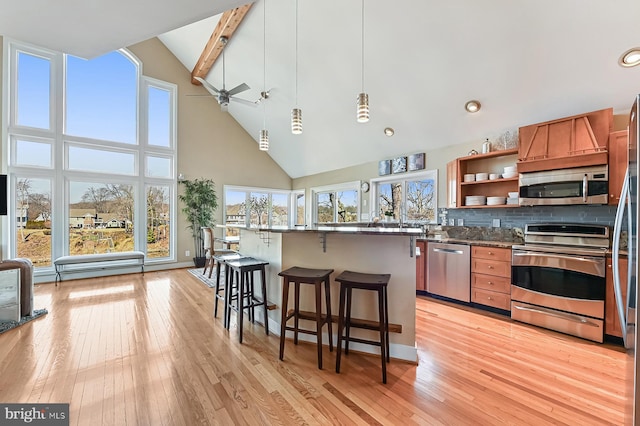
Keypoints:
pixel 452 222
pixel 495 223
pixel 460 222
pixel 187 253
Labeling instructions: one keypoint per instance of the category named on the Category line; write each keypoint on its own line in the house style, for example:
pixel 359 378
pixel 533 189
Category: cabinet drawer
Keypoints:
pixel 491 298
pixel 491 267
pixel 491 253
pixel 491 282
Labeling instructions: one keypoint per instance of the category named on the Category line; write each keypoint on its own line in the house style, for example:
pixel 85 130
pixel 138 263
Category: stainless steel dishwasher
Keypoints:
pixel 448 271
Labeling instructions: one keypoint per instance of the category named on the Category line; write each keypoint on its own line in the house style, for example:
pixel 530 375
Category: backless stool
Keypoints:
pixel 316 277
pixel 374 282
pixel 243 292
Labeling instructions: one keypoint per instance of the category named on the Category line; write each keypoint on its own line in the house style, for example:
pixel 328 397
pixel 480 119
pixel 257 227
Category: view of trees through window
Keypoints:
pixel 337 206
pixel 109 183
pixel 263 207
pixel 408 200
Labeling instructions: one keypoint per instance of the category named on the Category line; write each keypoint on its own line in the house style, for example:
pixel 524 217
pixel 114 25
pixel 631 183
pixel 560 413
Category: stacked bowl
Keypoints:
pixel 509 172
pixel 475 200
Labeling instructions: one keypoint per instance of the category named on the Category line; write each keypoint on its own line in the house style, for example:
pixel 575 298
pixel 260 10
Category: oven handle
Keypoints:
pixel 573 262
pixel 585 187
pixel 561 315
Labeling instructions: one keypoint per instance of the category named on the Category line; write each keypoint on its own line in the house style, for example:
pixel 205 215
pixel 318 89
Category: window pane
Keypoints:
pixel 300 205
pixel 158 167
pixel 324 201
pixel 421 200
pixel 33 91
pixel 100 218
pixel 347 206
pixel 29 153
pixel 158 208
pixel 259 209
pixel 280 210
pixel 100 161
pixel 390 199
pixel 33 220
pixel 101 98
pixel 159 117
pixel 235 207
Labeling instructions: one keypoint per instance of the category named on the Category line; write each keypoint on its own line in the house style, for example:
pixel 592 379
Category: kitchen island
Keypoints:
pixel 362 249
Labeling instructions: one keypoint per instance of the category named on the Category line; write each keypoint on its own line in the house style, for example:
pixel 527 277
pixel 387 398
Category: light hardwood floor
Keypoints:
pixel 146 350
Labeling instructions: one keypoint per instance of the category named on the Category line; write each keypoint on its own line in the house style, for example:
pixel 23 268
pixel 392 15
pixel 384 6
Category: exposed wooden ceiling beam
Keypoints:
pixel 226 27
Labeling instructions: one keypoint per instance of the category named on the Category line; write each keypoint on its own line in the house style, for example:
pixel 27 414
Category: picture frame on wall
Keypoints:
pixel 399 165
pixel 416 162
pixel 384 167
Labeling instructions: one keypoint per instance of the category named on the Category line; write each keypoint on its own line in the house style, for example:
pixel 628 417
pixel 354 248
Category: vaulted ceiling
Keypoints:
pixel 524 61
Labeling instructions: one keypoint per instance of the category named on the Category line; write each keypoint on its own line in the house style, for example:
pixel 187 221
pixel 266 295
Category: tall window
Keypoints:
pixel 91 156
pixel 407 198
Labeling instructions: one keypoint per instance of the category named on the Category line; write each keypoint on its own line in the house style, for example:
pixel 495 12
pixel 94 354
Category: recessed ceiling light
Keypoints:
pixel 389 131
pixel 472 106
pixel 630 58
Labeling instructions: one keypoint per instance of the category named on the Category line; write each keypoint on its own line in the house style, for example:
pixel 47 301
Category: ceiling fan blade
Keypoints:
pixel 245 101
pixel 240 88
pixel 210 88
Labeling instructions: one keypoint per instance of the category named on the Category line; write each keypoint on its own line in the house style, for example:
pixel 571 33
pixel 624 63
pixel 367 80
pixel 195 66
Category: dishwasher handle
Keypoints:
pixel 446 250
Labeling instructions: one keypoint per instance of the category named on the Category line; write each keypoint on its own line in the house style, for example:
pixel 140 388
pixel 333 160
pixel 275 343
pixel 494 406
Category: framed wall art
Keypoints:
pixel 384 167
pixel 399 165
pixel 416 162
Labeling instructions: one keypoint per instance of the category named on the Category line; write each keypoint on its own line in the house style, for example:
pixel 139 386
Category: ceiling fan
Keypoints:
pixel 223 95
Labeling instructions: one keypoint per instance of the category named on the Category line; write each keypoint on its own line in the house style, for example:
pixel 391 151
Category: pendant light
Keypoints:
pixel 264 133
pixel 363 98
pixel 296 113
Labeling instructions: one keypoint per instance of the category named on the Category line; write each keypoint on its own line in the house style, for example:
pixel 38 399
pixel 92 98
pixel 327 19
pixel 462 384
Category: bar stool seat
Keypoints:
pixel 350 280
pixel 315 277
pixel 242 269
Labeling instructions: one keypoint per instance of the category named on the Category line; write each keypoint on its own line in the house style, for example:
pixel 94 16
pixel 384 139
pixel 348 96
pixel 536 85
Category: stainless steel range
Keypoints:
pixel 558 278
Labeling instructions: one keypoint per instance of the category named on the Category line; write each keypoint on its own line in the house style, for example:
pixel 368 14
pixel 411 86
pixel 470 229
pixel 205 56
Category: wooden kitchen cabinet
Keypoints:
pixel 492 162
pixel 421 266
pixel 618 160
pixel 452 184
pixel 611 321
pixel 576 141
pixel 491 277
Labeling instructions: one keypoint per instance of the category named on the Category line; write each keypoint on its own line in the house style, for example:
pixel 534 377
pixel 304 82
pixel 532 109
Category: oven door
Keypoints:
pixel 568 282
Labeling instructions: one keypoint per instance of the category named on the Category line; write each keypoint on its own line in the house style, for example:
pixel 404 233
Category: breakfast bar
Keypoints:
pixel 379 250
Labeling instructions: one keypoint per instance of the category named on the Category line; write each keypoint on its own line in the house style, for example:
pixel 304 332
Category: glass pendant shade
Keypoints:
pixel 264 140
pixel 296 121
pixel 363 108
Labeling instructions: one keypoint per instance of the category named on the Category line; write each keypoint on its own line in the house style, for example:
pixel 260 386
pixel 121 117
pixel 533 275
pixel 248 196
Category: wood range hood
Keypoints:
pixel 577 141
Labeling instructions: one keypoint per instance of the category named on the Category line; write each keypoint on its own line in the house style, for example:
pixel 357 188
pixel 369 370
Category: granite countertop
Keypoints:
pixel 344 229
pixel 476 235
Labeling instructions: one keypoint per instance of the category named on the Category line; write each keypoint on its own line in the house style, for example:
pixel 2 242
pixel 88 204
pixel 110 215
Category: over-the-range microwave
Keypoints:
pixel 581 185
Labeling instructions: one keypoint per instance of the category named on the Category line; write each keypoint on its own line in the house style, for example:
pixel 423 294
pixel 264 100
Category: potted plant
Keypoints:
pixel 388 215
pixel 200 203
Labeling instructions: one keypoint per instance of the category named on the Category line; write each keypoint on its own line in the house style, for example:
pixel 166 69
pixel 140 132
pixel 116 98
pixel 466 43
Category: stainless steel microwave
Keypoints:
pixel 581 185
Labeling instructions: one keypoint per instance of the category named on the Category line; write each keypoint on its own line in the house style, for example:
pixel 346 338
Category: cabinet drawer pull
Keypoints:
pixel 489 298
pixel 489 267
pixel 490 282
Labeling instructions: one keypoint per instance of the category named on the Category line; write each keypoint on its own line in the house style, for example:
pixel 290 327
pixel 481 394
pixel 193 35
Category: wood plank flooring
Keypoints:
pixel 146 350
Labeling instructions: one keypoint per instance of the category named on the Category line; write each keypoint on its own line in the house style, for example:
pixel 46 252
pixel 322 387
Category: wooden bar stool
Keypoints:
pixel 316 277
pixel 374 282
pixel 242 270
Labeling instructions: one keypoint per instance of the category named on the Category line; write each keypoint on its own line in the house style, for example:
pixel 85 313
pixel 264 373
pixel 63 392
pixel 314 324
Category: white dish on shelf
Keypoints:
pixel 509 169
pixel 482 176
pixel 469 177
pixel 494 176
pixel 475 200
pixel 496 201
pixel 513 194
pixel 509 175
pixel 513 201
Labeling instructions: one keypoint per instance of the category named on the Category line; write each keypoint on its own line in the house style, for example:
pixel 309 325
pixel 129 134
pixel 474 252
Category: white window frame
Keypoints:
pixel 345 186
pixel 269 191
pixel 404 178
pixel 59 173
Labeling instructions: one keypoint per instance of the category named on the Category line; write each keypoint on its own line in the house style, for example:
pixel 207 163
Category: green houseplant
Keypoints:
pixel 200 203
